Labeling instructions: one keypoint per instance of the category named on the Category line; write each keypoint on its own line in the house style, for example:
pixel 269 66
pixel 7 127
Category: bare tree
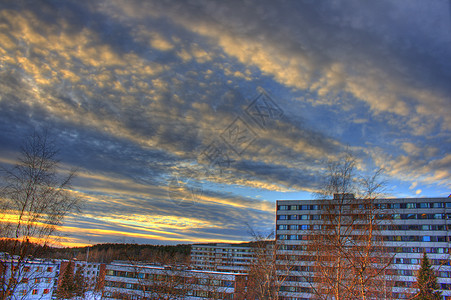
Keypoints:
pixel 166 281
pixel 267 271
pixel 34 200
pixel 350 261
pixel 139 281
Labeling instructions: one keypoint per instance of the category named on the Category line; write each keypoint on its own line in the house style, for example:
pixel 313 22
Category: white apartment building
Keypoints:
pixel 92 272
pixel 36 278
pixel 222 257
pixel 410 226
pixel 136 281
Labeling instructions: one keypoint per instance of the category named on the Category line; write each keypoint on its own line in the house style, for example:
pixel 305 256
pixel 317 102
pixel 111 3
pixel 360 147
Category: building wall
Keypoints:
pixel 129 281
pixel 222 257
pixel 36 277
pixel 414 225
pixel 94 273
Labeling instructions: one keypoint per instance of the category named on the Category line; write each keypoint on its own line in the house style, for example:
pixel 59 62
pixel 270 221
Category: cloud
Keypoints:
pixel 335 50
pixel 424 167
pixel 136 92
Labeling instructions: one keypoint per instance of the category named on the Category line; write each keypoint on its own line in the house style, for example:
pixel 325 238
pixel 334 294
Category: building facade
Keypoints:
pixel 407 227
pixel 93 273
pixel 136 281
pixel 35 278
pixel 222 257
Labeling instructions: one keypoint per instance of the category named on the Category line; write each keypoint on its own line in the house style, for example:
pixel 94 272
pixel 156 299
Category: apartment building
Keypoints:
pixel 93 273
pixel 222 257
pixel 136 281
pixel 36 278
pixel 407 226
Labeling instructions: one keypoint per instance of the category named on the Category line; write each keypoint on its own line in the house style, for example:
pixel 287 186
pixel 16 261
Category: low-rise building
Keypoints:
pixel 222 257
pixel 93 273
pixel 136 281
pixel 33 278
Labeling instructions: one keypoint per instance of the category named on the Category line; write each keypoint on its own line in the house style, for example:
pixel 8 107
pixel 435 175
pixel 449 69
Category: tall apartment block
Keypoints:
pixel 408 227
pixel 222 257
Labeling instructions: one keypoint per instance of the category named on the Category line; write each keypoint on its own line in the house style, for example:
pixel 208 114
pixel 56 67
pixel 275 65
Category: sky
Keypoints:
pixel 187 120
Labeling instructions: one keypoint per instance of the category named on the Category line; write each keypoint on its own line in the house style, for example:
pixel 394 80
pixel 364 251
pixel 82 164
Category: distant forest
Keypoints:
pixel 106 253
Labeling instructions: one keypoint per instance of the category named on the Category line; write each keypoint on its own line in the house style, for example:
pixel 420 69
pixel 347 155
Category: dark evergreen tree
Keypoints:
pixel 427 282
pixel 79 282
pixel 66 288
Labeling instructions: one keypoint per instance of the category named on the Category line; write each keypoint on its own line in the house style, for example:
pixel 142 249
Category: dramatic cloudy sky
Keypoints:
pixel 188 119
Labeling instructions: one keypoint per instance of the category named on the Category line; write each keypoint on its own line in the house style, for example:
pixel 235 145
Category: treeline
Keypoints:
pixel 106 253
pixel 18 247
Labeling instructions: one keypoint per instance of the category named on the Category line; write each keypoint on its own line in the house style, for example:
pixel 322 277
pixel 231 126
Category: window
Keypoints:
pixel 49 269
pixel 426 238
pixel 441 239
pixel 282 217
pixel 444 274
pixel 283 207
pixel 37 280
pixel 35 292
pixel 26 269
pixel 46 291
pixel 24 280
